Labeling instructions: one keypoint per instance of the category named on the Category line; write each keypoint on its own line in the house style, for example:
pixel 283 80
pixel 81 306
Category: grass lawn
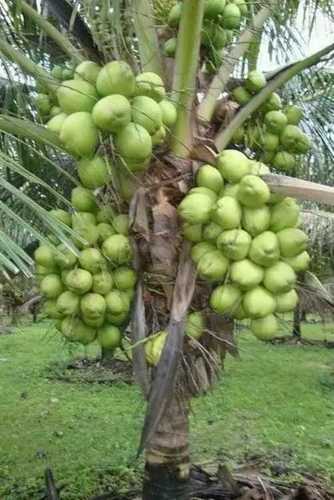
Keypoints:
pixel 275 403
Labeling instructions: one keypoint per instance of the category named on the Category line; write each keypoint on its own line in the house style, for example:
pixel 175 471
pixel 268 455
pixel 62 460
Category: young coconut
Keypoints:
pixel 287 301
pixel 134 143
pixel 227 213
pixel 212 266
pixel 51 286
pixel 209 177
pixel 79 134
pixel 147 113
pixel 68 303
pixel 201 249
pixel 264 249
pixel 87 71
pixel 246 274
pixel 195 325
pixel 117 249
pixel 255 81
pixel 234 244
pixel 279 278
pixel 259 302
pixel 253 192
pixel 225 299
pixel 93 306
pixel 112 113
pixel 93 173
pixel 292 241
pixel 116 78
pixel 102 283
pixel 92 260
pixel 265 328
pixel 151 85
pixel 233 165
pixel 83 200
pixel 256 220
pixel 76 95
pixel 196 208
pixel 284 214
pixel 79 281
pixel 109 337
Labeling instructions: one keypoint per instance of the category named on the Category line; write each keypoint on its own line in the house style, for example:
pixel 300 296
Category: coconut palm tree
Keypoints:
pixel 134 31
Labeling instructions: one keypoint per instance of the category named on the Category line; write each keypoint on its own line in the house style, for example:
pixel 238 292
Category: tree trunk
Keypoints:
pixel 296 331
pixel 167 467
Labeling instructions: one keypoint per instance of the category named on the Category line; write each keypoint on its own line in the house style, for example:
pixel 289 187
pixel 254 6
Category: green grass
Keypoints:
pixel 271 403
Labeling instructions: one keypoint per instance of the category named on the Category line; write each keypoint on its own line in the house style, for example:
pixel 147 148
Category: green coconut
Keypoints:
pixel 239 314
pixel 105 214
pixel 227 213
pixel 124 278
pixel 279 278
pixel 134 143
pixel 246 274
pixel 116 77
pixel 273 103
pixel 135 166
pixel 269 141
pixel 292 241
pixel 159 137
pixel 267 156
pixel 79 281
pixel 284 161
pixel 93 306
pixel 43 104
pixel 299 262
pixel 214 8
pixel 154 347
pixel 275 121
pixel 121 224
pixel 112 113
pixel 151 85
pixel 170 47
pixel 230 190
pixel 286 302
pixel 109 337
pixel 231 17
pixel 51 286
pixel 225 299
pixel 264 249
pixel 76 95
pixel 50 309
pixel 234 244
pixel 64 257
pixel 255 81
pixel 93 322
pixel 56 123
pixel 147 113
pixel 201 249
pixel 92 260
pixel 233 165
pixel 168 113
pixel 175 15
pixel 79 134
pixel 102 283
pixel 117 319
pixel 259 302
pixel 284 214
pixel 105 230
pixel 213 37
pixel 61 216
pixel 57 72
pixel 265 328
pixel 209 177
pixel 82 219
pixel 117 302
pixel 211 232
pixel 241 95
pixel 85 236
pixel 83 199
pixel 212 266
pixel 41 272
pixel 196 208
pixel 75 330
pixel 195 325
pixel 242 6
pixel 204 190
pixel 64 275
pixel 87 71
pixel 295 140
pixel 275 198
pixel 293 114
pixel 44 256
pixel 253 192
pixel 256 220
pixel 117 249
pixel 192 232
pixel 93 173
pixel 68 303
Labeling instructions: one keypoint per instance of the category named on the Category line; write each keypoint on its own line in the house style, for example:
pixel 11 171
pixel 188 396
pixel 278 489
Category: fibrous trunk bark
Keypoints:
pixel 296 332
pixel 167 467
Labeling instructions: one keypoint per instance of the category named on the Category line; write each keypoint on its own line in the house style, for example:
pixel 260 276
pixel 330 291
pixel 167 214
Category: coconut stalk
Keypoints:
pixel 62 41
pixel 207 107
pixel 225 135
pixel 149 49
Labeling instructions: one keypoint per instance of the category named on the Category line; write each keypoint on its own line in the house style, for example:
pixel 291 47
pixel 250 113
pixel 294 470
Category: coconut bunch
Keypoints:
pixel 272 132
pixel 88 291
pixel 246 241
pixel 221 19
pixel 112 105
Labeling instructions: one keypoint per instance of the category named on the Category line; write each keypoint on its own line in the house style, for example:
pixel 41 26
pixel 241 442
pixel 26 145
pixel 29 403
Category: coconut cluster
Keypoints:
pixel 221 19
pixel 109 103
pixel 88 292
pixel 246 241
pixel 272 132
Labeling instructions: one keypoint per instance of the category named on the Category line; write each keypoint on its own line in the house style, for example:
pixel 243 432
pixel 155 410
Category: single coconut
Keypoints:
pixel 227 213
pixel 246 274
pixel 258 302
pixel 79 281
pixel 64 257
pixel 134 143
pixel 193 232
pixel 56 123
pixel 93 173
pixel 292 241
pixel 83 200
pixel 256 220
pixel 293 114
pixel 275 121
pixel 269 141
pixel 170 47
pixel 195 325
pixel 117 249
pixel 201 249
pixel 92 260
pixel 116 77
pixel 273 103
pixel 61 216
pixel 287 301
pixel 112 113
pixel 76 95
pixel 214 8
pixel 211 232
pixel 241 95
pixel 124 278
pixel 93 305
pixel 50 309
pixel 68 303
pixel 284 214
pixel 299 262
pixel 264 249
pixel 79 134
pixel 233 165
pixel 159 137
pixel 109 337
pixel 87 71
pixel 204 190
pixel 234 244
pixel 225 299
pixel 284 161
pixel 147 113
pixel 117 302
pixel 85 236
pixel 105 230
pixel 82 219
pixel 209 177
pixel 175 15
pixel 212 266
pixel 231 17
pixel 295 140
pixel 168 113
pixel 255 81
pixel 102 283
pixel 117 319
pixel 279 278
pixel 43 104
pixel 51 286
pixel 75 330
pixel 121 224
pixel 151 85
pixel 196 208
pixel 253 192
pixel 44 256
pixel 265 328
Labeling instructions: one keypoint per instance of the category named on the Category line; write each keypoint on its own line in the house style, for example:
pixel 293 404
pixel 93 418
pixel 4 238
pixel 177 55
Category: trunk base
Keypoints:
pixel 163 482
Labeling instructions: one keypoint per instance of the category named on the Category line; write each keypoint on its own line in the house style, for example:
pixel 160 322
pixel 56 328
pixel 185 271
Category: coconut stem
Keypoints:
pixel 225 135
pixel 207 107
pixel 52 32
pixel 27 129
pixel 185 74
pixel 149 49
